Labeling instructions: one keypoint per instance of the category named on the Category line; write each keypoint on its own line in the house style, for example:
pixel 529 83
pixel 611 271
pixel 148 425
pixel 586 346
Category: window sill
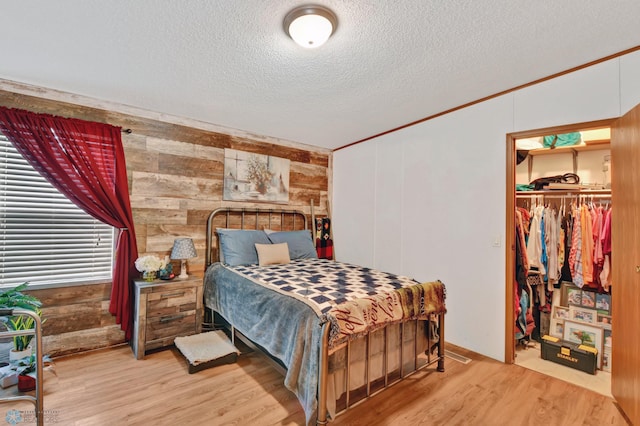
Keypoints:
pixel 43 286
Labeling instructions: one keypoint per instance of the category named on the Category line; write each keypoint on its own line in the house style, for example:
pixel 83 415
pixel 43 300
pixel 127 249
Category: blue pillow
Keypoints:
pixel 238 246
pixel 300 244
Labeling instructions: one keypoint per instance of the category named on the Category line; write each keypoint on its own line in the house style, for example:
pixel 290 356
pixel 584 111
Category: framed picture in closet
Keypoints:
pixel 578 313
pixel 604 319
pixel 559 312
pixel 603 304
pixel 574 296
pixel 588 299
pixel 584 334
pixel 607 338
pixel 556 328
pixel 564 292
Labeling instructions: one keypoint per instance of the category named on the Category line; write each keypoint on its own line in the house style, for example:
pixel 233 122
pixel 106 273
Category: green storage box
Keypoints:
pixel 572 355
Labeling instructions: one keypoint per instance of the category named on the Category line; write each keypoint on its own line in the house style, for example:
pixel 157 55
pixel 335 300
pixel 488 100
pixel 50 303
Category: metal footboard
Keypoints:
pixel 323 373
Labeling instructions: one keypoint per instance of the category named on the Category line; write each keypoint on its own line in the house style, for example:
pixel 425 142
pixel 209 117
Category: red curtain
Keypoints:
pixel 84 161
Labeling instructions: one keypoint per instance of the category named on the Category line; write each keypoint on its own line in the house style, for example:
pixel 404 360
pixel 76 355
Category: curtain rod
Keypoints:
pixel 127 131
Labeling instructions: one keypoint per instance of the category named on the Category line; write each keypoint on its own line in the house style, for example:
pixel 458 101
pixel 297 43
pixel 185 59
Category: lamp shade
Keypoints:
pixel 183 248
pixel 310 26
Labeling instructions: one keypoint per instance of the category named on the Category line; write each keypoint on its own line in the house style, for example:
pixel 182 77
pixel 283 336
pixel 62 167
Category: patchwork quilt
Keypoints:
pixel 322 283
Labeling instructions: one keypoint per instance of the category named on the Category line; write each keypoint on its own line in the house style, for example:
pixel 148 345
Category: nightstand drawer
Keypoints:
pixel 179 324
pixel 168 301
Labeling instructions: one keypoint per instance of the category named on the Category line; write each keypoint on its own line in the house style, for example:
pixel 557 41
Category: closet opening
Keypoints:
pixel 555 175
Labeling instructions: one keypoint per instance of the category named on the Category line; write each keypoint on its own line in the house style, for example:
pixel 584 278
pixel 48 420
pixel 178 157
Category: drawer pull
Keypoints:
pixel 174 294
pixel 170 318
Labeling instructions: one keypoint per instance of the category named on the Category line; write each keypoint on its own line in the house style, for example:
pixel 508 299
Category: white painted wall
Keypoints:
pixel 429 201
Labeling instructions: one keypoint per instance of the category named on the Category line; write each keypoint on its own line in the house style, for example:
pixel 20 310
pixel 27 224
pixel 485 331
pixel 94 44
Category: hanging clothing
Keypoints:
pixel 598 257
pixel 605 275
pixel 534 243
pixel 587 244
pixel 552 236
pixel 522 263
pixel 566 226
pixel 575 255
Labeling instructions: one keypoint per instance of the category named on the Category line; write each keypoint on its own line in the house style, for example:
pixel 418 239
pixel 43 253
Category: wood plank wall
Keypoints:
pixel 175 179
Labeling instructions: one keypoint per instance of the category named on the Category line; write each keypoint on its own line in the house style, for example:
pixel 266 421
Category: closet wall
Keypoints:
pixel 429 201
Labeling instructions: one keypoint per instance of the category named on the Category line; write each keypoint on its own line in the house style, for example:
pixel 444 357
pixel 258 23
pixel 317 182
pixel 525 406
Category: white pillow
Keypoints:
pixel 273 254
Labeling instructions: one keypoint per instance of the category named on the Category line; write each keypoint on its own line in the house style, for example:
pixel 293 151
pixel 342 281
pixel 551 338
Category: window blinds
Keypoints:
pixel 44 237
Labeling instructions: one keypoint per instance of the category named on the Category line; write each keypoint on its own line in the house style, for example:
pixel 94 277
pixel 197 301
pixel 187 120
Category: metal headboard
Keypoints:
pixel 243 213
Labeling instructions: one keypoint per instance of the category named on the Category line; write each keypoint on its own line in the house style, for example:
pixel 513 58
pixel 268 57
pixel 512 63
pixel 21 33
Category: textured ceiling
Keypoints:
pixel 229 62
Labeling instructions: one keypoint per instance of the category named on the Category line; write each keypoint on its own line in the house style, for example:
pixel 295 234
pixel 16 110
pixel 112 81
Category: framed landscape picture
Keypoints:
pixel 255 177
pixel 584 334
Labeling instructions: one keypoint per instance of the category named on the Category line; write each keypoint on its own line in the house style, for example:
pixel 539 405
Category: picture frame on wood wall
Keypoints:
pixel 255 177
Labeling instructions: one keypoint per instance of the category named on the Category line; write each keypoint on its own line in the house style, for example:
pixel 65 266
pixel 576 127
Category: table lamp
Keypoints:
pixel 183 249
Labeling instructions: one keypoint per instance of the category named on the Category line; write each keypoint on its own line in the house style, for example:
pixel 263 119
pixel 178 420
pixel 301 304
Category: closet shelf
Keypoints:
pixel 592 145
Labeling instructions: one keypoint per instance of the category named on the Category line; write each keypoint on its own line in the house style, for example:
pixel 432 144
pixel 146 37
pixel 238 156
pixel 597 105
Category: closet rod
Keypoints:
pixel 567 192
pixel 586 196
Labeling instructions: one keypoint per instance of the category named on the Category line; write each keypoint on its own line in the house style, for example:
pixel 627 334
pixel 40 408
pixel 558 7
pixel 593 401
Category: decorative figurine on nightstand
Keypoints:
pixel 166 273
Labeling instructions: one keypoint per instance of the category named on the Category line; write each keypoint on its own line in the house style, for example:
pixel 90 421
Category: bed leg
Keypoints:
pixel 441 342
pixel 323 375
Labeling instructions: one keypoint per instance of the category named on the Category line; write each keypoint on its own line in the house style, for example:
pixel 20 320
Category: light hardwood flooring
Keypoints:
pixel 530 358
pixel 110 387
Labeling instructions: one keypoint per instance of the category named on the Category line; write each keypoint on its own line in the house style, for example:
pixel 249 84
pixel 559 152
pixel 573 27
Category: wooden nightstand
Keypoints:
pixel 165 310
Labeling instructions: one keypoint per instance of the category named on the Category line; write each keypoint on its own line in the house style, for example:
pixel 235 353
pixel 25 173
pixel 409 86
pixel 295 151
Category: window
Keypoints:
pixel 44 237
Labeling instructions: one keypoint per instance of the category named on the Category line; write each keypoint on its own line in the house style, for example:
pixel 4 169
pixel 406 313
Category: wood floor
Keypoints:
pixel 110 387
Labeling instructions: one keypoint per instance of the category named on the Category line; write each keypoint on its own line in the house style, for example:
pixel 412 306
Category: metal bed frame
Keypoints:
pixel 323 373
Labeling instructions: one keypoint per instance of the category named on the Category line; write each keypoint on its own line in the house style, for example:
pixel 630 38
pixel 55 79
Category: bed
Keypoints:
pixel 338 332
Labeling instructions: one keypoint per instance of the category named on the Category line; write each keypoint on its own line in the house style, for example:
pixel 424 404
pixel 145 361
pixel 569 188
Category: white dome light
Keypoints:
pixel 310 26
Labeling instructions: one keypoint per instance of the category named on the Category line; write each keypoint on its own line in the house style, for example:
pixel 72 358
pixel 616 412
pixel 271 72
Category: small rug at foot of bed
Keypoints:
pixel 206 350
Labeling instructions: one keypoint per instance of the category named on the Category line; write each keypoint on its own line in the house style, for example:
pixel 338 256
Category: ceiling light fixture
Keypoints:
pixel 310 26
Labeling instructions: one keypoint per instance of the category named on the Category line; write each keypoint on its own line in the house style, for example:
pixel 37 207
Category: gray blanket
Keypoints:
pixel 287 328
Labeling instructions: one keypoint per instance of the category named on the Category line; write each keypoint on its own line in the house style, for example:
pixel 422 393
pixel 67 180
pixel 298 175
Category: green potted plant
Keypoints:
pixel 21 343
pixel 15 298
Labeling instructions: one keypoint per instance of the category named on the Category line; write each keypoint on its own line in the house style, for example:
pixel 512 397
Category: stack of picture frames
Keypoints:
pixel 584 317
